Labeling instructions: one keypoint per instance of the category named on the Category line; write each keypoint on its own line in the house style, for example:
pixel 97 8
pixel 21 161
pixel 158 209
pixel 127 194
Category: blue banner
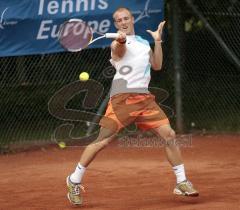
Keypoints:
pixel 31 26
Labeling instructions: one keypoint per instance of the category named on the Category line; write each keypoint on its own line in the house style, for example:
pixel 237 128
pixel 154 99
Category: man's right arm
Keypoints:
pixel 118 47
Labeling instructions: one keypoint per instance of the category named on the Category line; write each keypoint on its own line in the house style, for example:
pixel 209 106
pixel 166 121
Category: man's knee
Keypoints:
pixel 100 144
pixel 171 134
pixel 168 134
pixel 104 138
pixel 165 132
pixel 170 137
pixel 103 143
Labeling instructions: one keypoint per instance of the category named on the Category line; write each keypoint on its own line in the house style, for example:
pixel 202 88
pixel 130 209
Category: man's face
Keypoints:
pixel 124 22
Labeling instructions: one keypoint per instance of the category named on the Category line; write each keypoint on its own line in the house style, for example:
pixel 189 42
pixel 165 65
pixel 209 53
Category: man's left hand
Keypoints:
pixel 157 35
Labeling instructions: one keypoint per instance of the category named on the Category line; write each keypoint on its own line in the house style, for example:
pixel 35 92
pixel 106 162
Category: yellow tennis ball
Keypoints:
pixel 62 144
pixel 84 76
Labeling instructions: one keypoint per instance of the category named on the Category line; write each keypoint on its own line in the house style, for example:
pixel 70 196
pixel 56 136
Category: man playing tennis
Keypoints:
pixel 131 101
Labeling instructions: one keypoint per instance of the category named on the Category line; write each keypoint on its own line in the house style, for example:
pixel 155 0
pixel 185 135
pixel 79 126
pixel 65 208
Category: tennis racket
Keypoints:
pixel 75 35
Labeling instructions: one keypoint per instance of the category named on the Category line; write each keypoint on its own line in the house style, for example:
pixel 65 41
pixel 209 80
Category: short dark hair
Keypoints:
pixel 120 9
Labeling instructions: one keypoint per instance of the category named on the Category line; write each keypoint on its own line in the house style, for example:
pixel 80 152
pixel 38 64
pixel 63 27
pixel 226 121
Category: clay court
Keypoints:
pixel 124 177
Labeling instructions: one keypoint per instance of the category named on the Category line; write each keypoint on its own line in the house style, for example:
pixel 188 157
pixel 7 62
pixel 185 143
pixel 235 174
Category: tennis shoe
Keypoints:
pixel 185 188
pixel 74 192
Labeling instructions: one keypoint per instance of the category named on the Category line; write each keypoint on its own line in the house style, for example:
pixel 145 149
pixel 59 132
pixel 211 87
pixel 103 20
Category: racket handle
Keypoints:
pixel 111 35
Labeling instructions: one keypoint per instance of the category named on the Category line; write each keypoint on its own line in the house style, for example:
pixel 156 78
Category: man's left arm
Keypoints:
pixel 156 56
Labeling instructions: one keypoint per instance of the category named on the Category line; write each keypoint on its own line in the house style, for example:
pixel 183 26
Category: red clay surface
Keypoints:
pixel 124 178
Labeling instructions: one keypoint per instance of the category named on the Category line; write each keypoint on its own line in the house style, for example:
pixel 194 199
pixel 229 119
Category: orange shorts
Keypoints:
pixel 124 109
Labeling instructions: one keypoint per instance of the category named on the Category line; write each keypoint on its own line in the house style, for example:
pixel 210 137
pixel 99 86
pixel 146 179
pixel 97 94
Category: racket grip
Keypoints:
pixel 111 35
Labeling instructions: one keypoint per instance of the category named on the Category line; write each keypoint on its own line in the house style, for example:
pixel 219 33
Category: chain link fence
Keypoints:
pixel 210 77
pixel 211 65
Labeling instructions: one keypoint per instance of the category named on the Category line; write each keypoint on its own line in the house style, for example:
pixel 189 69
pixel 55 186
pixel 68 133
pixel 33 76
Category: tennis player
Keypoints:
pixel 131 101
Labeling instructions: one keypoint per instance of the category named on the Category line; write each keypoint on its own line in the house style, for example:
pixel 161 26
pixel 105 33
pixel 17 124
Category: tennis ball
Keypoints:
pixel 62 144
pixel 84 76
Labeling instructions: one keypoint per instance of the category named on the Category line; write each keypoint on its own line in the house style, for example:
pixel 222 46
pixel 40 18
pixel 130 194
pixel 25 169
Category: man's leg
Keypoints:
pixel 73 181
pixel 172 150
pixel 174 157
pixel 104 138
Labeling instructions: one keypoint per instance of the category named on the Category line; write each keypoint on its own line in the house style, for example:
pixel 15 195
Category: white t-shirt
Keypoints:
pixel 133 70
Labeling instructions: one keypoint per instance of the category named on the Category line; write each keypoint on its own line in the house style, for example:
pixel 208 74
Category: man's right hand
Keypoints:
pixel 121 38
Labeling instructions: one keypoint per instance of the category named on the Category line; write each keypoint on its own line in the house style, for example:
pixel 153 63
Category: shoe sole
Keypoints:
pixel 178 192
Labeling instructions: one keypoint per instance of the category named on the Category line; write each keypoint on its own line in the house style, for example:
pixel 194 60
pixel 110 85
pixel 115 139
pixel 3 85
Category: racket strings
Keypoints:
pixel 75 35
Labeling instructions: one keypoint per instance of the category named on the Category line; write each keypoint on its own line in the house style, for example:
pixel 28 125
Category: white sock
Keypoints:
pixel 180 173
pixel 76 176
